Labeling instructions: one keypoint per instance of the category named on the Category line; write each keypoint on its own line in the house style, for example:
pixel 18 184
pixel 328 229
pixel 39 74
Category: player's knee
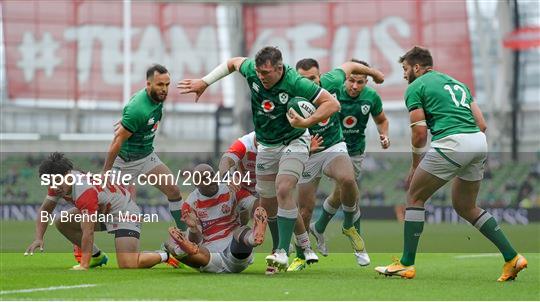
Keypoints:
pixel 464 210
pixel 127 260
pixel 127 265
pixel 414 201
pixel 347 182
pixel 284 188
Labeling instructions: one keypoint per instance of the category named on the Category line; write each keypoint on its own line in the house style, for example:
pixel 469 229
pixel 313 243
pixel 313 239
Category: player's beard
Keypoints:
pixel 157 97
pixel 411 77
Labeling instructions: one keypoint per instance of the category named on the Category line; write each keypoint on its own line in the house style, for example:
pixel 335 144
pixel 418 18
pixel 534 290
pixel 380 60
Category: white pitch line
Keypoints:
pixel 30 290
pixel 476 256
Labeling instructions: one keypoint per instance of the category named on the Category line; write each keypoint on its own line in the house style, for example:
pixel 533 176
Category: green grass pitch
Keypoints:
pixel 455 263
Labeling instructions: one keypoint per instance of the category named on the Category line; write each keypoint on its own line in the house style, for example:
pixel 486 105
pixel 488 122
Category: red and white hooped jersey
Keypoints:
pixel 244 153
pixel 218 214
pixel 89 197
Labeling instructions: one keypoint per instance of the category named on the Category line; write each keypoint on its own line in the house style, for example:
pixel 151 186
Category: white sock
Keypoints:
pixel 329 208
pixel 249 239
pixel 303 240
pixel 164 256
pixel 357 215
pixel 348 209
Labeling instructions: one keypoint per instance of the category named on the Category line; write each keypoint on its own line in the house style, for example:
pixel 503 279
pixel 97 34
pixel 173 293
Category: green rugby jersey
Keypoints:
pixel 354 116
pixel 141 117
pixel 269 107
pixel 330 129
pixel 446 104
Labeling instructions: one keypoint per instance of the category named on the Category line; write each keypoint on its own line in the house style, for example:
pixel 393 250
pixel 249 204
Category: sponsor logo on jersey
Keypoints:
pixel 255 87
pixel 306 174
pixel 365 109
pixel 349 121
pixel 267 106
pixel 324 123
pixel 151 121
pixel 225 209
pixel 260 167
pixel 283 97
pixel 202 214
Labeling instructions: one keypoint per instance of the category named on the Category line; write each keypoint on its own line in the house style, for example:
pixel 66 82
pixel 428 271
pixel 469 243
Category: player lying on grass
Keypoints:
pixel 282 136
pixel 216 241
pixel 458 152
pixel 241 156
pixel 96 208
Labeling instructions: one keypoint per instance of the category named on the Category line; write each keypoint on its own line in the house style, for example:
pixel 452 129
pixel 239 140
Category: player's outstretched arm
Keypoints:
pixel 87 241
pixel 198 86
pixel 120 136
pixel 478 117
pixel 225 164
pixel 48 207
pixel 226 169
pixel 382 127
pixel 354 67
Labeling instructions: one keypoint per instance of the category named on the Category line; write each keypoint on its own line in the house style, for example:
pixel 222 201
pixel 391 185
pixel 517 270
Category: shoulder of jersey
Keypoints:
pixel 370 90
pixel 248 140
pixel 134 102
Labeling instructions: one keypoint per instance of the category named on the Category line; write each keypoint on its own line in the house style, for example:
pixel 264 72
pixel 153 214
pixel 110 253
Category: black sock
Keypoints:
pixel 97 254
pixel 239 249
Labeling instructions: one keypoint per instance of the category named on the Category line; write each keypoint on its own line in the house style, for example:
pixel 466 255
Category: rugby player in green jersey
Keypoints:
pixel 458 152
pixel 132 148
pixel 345 83
pixel 282 136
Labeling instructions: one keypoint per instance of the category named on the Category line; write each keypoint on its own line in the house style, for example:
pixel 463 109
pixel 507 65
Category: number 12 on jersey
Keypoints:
pixel 453 95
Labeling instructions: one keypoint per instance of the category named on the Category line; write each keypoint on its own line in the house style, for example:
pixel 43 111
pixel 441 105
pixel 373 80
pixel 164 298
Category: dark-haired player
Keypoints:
pixel 282 136
pixel 458 152
pixel 97 208
pixel 347 84
pixel 132 148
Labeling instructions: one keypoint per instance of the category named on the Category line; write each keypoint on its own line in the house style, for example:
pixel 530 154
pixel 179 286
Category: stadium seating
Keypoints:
pixel 381 184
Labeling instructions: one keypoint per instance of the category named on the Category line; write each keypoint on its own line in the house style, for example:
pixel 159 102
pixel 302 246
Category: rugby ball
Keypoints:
pixel 301 106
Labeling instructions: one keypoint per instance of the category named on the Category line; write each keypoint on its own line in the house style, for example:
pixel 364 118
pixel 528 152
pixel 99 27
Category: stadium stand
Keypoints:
pixel 507 184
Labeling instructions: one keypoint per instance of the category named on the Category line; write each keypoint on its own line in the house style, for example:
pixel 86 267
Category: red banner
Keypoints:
pixel 73 49
pixel 523 38
pixel 378 32
pixel 49 44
